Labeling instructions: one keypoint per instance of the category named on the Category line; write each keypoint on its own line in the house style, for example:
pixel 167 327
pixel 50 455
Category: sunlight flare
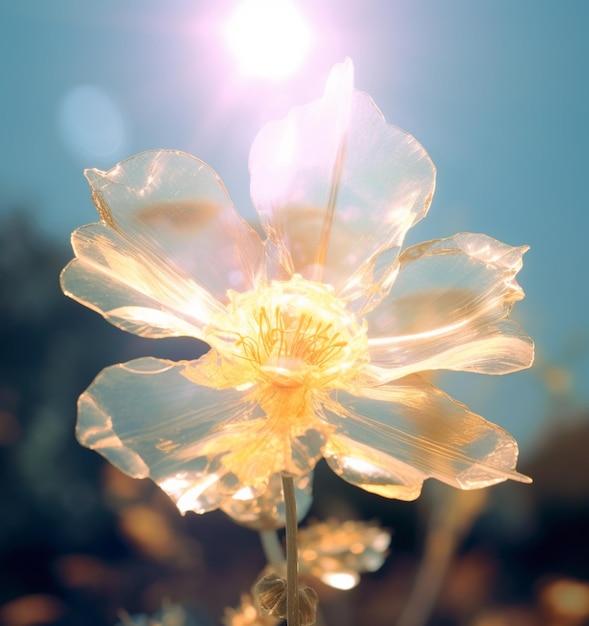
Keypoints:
pixel 269 38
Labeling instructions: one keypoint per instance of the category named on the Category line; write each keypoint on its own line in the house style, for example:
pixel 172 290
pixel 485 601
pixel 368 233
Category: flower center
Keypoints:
pixel 293 333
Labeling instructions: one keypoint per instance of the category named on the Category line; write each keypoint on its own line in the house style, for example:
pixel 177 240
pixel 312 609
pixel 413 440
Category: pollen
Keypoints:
pixel 293 333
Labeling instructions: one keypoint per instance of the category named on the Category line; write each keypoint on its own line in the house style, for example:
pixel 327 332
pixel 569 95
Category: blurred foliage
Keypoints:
pixel 80 542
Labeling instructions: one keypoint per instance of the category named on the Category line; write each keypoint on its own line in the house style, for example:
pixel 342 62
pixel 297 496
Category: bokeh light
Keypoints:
pixel 269 38
pixel 91 123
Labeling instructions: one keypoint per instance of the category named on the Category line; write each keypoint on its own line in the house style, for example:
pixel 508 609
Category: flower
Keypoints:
pixel 317 335
pixel 267 512
pixel 337 552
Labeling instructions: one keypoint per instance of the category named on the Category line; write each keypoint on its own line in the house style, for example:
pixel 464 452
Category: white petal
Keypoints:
pixel 140 295
pixel 336 186
pixel 395 436
pixel 169 237
pixel 149 420
pixel 448 309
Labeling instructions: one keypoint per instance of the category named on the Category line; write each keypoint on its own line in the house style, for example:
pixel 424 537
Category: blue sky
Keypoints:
pixel 497 91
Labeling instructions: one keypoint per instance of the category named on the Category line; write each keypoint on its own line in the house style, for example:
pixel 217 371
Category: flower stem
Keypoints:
pixel 292 552
pixel 273 550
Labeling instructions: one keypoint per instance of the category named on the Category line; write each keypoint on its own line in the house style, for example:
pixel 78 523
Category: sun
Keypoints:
pixel 269 38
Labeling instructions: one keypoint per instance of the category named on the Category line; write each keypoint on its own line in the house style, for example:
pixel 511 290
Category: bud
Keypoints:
pixel 272 593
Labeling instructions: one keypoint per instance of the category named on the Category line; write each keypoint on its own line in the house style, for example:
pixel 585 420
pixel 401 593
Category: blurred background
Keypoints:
pixel 496 91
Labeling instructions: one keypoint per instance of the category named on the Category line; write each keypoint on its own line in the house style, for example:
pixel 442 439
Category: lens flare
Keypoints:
pixel 269 38
pixel 91 123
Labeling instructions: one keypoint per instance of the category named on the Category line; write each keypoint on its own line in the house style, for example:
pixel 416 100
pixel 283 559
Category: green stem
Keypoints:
pixel 292 552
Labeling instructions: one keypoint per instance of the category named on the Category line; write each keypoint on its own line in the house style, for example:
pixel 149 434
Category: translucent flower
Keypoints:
pixel 337 552
pixel 317 335
pixel 267 511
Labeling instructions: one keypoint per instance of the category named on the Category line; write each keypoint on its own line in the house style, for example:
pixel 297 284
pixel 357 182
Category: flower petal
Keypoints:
pixel 138 294
pixel 169 234
pixel 149 420
pixel 395 436
pixel 267 511
pixel 447 310
pixel 201 445
pixel 337 552
pixel 336 186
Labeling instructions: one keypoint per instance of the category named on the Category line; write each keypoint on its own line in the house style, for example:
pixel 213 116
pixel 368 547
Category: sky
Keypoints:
pixel 496 90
